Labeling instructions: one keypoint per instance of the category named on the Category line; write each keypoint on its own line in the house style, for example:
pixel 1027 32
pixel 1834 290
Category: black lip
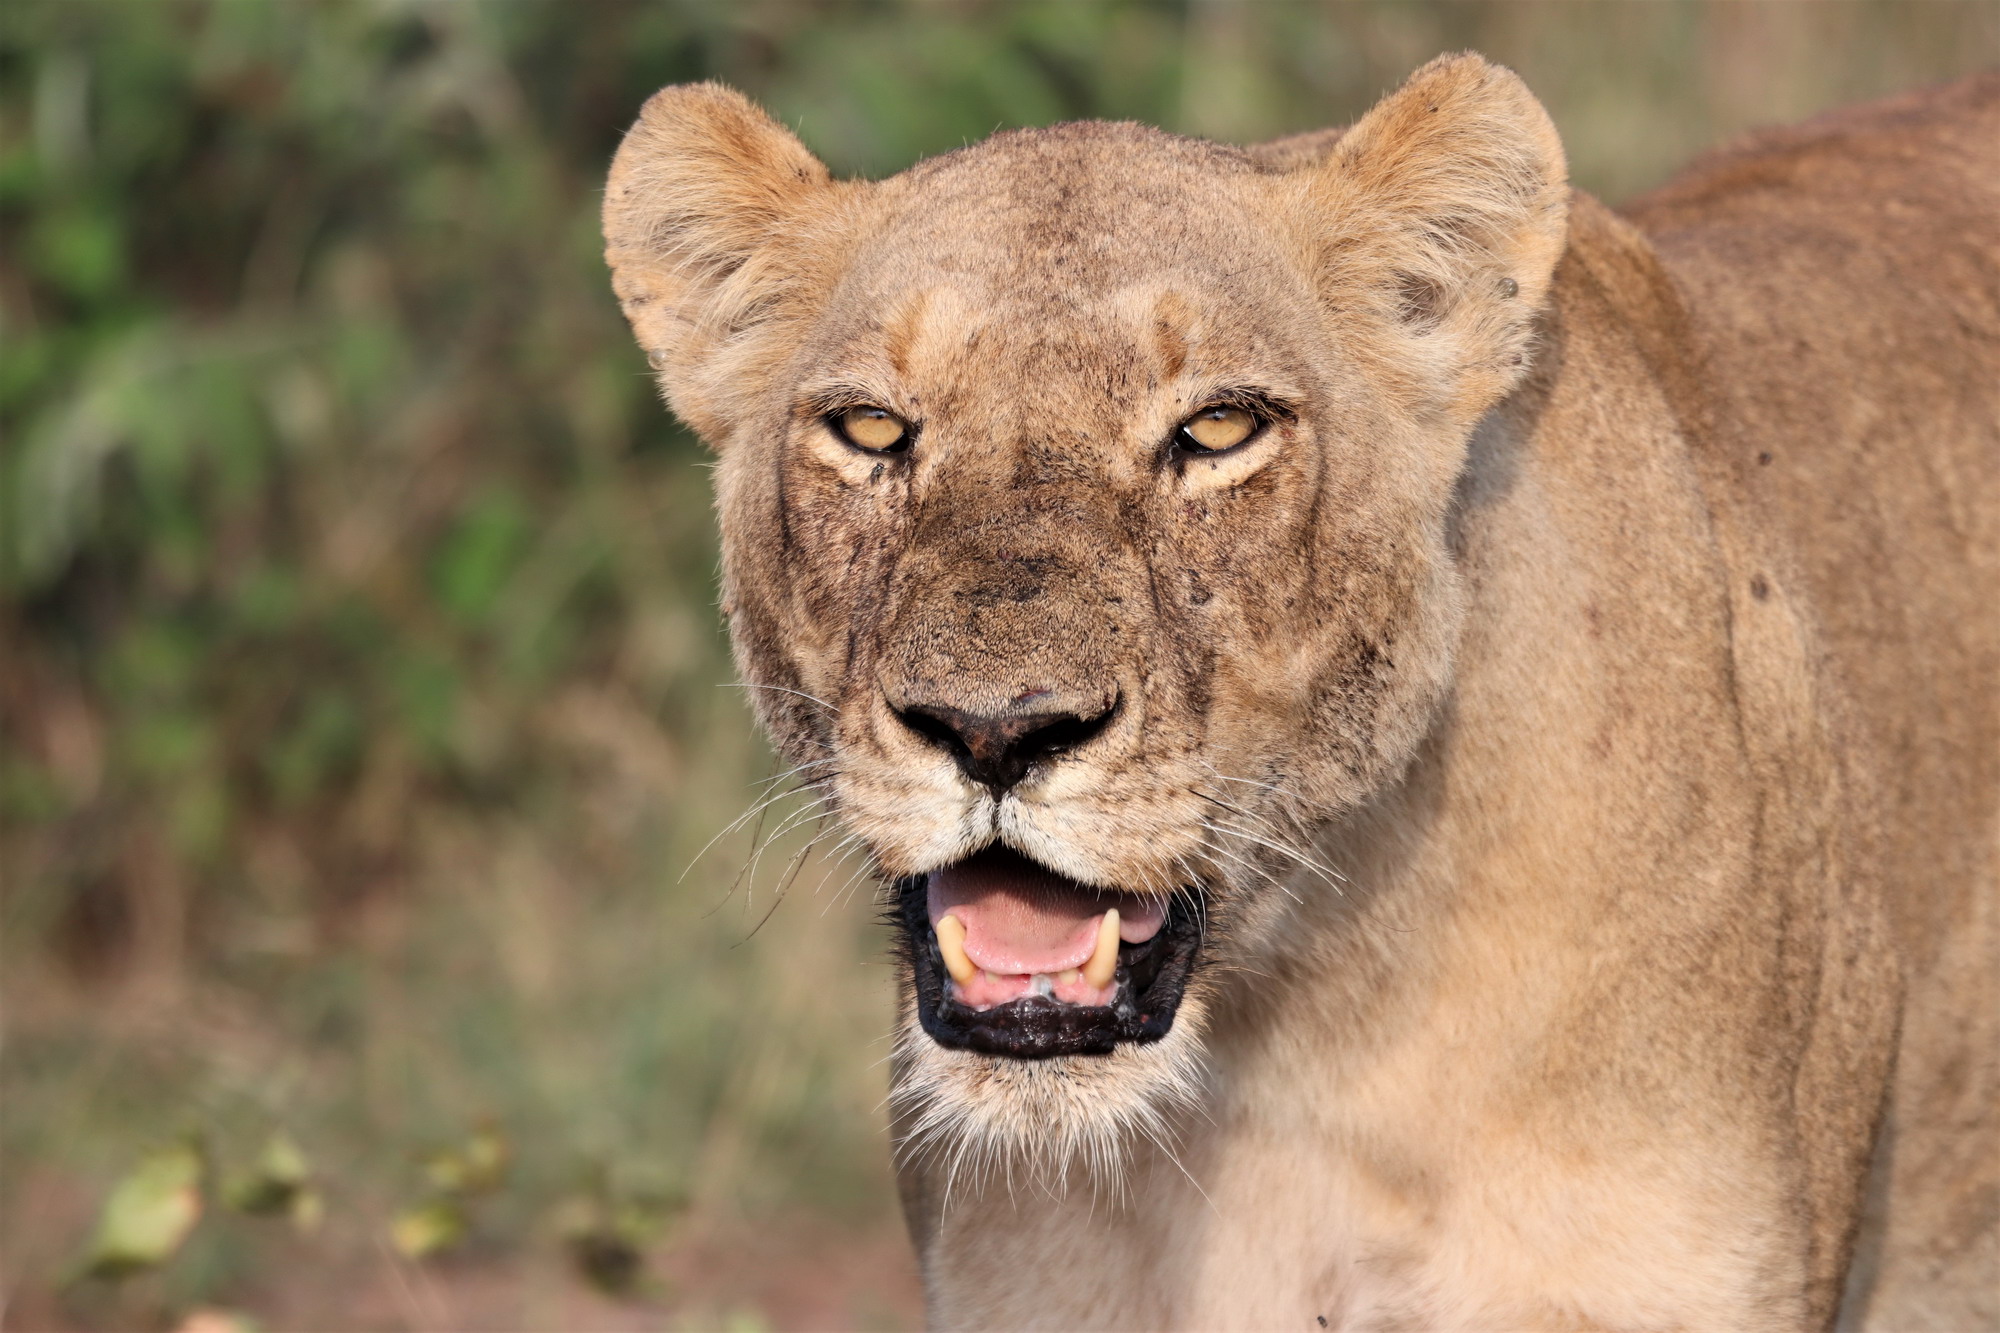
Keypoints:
pixel 1155 974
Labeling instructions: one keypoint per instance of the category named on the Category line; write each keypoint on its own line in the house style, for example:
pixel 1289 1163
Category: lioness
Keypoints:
pixel 1434 747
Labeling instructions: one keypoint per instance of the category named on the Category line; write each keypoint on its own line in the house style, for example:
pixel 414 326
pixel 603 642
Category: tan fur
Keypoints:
pixel 1578 709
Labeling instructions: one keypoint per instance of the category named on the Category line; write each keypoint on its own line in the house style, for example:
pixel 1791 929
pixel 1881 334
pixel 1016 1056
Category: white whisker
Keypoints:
pixel 1327 873
pixel 778 689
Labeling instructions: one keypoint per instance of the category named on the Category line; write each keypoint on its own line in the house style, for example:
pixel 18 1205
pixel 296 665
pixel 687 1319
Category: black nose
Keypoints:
pixel 998 750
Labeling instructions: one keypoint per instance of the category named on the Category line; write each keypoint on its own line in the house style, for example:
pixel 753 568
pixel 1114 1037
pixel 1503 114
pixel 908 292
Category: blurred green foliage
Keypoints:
pixel 148 1216
pixel 358 663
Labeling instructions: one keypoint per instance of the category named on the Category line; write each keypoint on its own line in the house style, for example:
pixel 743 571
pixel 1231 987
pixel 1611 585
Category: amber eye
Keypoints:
pixel 1214 429
pixel 875 429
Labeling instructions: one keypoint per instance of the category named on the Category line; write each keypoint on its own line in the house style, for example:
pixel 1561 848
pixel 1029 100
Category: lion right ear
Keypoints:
pixel 715 229
pixel 1440 216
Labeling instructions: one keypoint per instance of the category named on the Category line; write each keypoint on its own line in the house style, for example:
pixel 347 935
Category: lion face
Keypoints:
pixel 1084 501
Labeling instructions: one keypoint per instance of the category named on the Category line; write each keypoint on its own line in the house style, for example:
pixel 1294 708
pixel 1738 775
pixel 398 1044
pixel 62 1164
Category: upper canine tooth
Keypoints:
pixel 951 943
pixel 1103 964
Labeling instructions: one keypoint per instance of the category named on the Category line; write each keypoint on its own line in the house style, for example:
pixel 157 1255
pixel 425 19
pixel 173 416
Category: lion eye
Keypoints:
pixel 875 429
pixel 1214 429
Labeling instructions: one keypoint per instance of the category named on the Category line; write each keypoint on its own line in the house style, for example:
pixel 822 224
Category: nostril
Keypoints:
pixel 934 725
pixel 1065 733
pixel 999 749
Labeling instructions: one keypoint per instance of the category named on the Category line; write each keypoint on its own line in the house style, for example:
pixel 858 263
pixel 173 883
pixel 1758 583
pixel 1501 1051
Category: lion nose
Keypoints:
pixel 999 749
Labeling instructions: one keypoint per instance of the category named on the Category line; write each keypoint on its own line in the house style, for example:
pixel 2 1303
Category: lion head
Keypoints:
pixel 1086 502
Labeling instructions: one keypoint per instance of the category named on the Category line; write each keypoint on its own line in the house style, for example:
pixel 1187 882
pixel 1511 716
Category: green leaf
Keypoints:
pixel 606 1230
pixel 308 1209
pixel 487 1157
pixel 476 1166
pixel 474 563
pixel 79 249
pixel 327 737
pixel 149 1213
pixel 278 1185
pixel 428 1228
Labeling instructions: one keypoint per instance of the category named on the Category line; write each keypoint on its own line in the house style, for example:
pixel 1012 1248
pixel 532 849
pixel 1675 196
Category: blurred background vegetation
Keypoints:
pixel 360 678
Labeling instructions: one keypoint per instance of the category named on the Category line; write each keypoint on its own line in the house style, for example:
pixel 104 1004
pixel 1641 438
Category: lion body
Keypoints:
pixel 1660 781
pixel 1843 280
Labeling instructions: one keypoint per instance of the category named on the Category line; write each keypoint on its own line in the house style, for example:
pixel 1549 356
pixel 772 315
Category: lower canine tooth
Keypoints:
pixel 951 943
pixel 1103 964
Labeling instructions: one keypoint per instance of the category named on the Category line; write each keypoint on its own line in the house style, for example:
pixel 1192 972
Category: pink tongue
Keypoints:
pixel 1020 918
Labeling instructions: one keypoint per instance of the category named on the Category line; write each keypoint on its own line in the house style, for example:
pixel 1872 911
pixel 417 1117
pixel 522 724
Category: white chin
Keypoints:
pixel 970 1119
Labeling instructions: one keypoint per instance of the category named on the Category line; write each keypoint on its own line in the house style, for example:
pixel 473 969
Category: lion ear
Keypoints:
pixel 1442 214
pixel 713 222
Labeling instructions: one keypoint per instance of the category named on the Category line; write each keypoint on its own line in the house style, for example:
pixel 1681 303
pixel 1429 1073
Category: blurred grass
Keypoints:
pixel 359 670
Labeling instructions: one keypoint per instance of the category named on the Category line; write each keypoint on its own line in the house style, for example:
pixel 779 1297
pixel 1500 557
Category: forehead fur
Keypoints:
pixel 1060 249
pixel 1075 209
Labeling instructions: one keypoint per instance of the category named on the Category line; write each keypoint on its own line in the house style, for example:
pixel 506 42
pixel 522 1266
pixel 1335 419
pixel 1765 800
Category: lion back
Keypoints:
pixel 1843 284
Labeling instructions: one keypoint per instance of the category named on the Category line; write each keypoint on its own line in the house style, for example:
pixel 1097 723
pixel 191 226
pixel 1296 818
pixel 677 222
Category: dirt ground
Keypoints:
pixel 746 1279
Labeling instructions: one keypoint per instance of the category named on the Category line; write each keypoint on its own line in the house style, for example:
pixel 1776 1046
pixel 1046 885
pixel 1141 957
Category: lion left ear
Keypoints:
pixel 1442 214
pixel 718 225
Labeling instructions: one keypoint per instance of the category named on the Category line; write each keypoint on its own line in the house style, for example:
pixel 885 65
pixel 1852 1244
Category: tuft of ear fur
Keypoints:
pixel 1441 215
pixel 717 225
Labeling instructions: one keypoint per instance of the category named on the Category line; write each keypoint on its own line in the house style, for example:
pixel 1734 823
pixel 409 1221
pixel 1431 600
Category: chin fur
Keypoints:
pixel 972 1121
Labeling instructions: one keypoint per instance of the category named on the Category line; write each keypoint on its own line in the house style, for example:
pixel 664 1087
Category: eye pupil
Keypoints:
pixel 1214 429
pixel 875 429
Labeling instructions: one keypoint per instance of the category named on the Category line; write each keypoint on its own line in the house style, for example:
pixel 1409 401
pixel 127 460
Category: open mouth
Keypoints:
pixel 1013 959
